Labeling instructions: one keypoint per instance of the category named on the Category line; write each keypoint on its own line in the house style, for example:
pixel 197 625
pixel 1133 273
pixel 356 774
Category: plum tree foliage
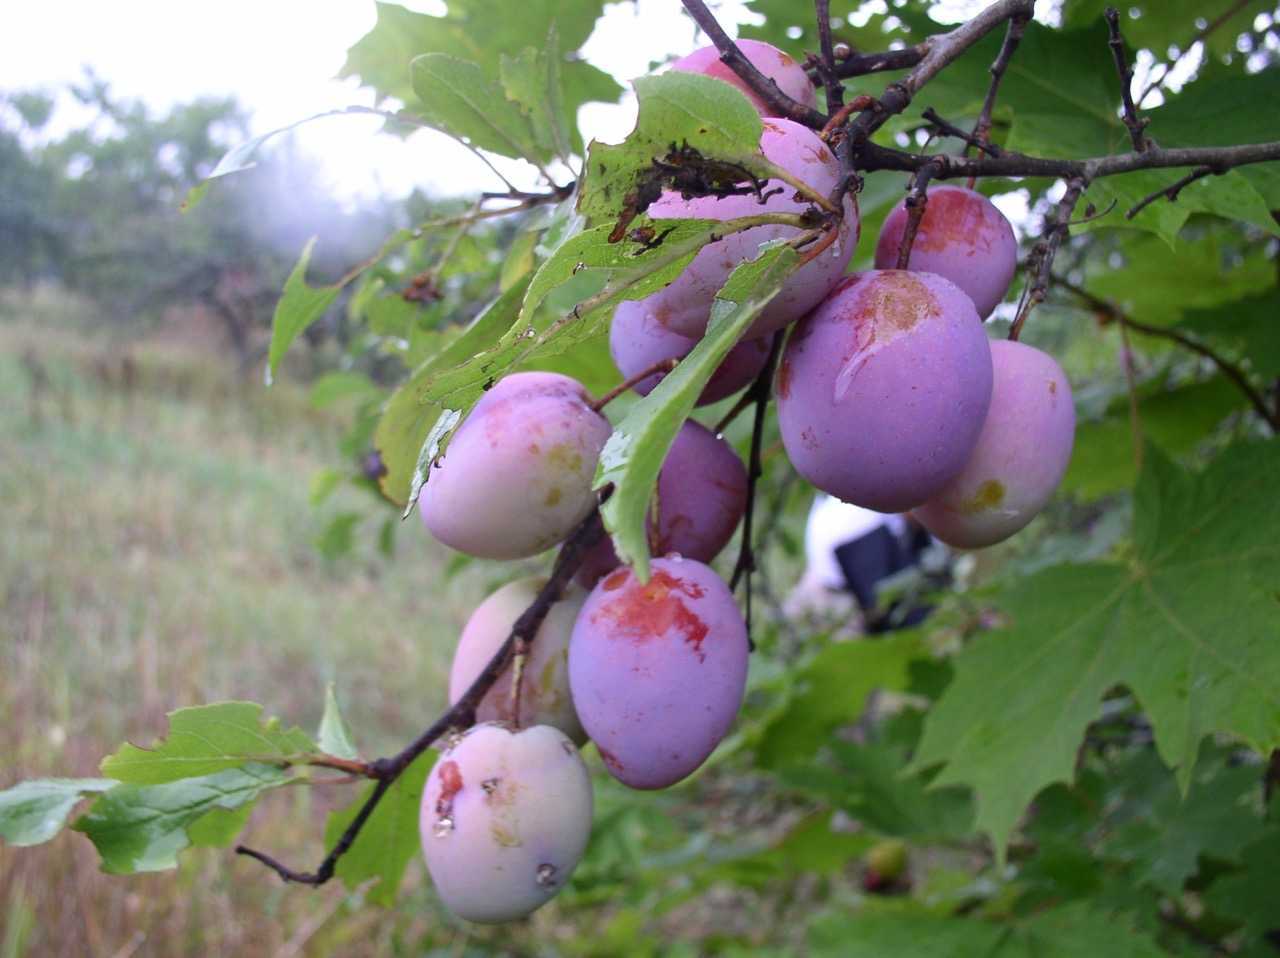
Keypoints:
pixel 1079 748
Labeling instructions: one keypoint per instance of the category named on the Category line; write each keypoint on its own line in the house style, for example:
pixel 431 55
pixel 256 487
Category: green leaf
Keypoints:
pixel 1174 419
pixel 831 690
pixel 333 736
pixel 1249 328
pixel 408 417
pixel 1249 895
pixel 33 812
pixel 207 739
pixel 1164 833
pixel 1067 932
pixel 456 97
pixel 1157 25
pixel 389 839
pixel 708 115
pixel 634 452
pixel 1010 722
pixel 531 79
pixel 142 828
pixel 338 537
pixel 1231 196
pixel 300 305
pixel 336 386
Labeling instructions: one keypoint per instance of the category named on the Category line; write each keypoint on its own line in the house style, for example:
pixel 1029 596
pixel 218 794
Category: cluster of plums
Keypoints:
pixel 889 395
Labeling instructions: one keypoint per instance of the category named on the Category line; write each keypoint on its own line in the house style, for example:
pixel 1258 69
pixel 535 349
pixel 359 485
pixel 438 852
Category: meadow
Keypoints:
pixel 157 551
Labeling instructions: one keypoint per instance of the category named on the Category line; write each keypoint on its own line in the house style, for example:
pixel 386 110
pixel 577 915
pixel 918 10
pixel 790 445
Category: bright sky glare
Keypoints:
pixel 280 57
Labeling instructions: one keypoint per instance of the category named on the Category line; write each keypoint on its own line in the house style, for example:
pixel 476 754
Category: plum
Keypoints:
pixel 699 500
pixel 505 818
pixel 962 237
pixel 658 669
pixel 1021 454
pixel 544 688
pixel 638 342
pixel 685 305
pixel 517 476
pixel 765 57
pixel 883 389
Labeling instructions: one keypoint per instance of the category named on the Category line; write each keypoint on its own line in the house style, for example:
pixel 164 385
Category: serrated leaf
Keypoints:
pixel 300 305
pixel 207 739
pixel 531 79
pixel 457 98
pixel 389 839
pixel 407 418
pixel 1163 833
pixel 633 455
pixel 1159 24
pixel 334 737
pixel 676 109
pixel 1249 328
pixel 1010 722
pixel 1249 895
pixel 142 828
pixel 1230 196
pixel 33 812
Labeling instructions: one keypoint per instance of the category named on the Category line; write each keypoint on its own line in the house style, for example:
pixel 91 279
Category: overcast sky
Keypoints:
pixel 279 58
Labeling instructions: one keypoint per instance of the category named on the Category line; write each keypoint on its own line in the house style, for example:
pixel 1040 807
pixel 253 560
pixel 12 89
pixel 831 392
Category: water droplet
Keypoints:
pixel 546 875
pixel 674 557
pixel 529 333
pixel 443 827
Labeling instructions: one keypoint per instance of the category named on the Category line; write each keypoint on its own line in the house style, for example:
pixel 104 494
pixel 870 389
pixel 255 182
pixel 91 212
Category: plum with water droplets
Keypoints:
pixel 962 237
pixel 883 389
pixel 1021 455
pixel 516 478
pixel 505 818
pixel 658 669
pixel 544 686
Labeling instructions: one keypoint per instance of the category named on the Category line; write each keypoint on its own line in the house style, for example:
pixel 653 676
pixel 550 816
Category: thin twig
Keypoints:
pixel 1012 36
pixel 1171 191
pixel 827 65
pixel 860 64
pixel 1037 283
pixel 759 392
pixel 917 200
pixel 1200 37
pixel 1225 366
pixel 462 714
pixel 778 102
pixel 662 366
pixel 948 128
pixel 1134 124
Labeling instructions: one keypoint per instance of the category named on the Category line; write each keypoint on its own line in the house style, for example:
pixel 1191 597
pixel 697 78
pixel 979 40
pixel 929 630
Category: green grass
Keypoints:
pixel 157 550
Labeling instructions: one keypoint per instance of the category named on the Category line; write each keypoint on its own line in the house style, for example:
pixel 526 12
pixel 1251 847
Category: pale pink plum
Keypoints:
pixel 544 687
pixel 883 389
pixel 517 476
pixel 658 669
pixel 962 237
pixel 637 343
pixel 768 59
pixel 1021 455
pixel 505 819
pixel 685 305
pixel 700 497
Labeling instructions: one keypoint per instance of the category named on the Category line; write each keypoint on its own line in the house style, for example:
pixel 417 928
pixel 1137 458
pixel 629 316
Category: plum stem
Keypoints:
pixel 663 366
pixel 462 714
pixel 1040 263
pixel 916 202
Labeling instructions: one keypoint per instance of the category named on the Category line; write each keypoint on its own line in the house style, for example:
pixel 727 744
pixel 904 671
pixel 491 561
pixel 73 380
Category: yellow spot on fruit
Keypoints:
pixel 553 496
pixel 988 495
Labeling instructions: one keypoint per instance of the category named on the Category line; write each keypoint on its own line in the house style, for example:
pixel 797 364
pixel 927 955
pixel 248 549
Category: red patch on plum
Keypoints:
pixel 651 610
pixel 450 786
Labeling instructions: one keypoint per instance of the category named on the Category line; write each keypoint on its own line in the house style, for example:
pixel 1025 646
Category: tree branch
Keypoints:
pixel 1039 269
pixel 1171 191
pixel 1013 34
pixel 1116 42
pixel 760 85
pixel 462 714
pixel 948 128
pixel 827 65
pixel 860 64
pixel 1225 366
pixel 916 202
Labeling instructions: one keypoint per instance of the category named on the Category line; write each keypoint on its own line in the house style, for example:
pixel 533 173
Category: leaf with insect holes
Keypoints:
pixel 389 839
pixel 207 739
pixel 531 80
pixel 677 110
pixel 633 455
pixel 142 828
pixel 1203 543
pixel 33 812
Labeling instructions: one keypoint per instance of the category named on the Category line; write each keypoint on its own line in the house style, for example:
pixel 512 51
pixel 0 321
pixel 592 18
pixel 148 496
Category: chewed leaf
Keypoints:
pixel 33 812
